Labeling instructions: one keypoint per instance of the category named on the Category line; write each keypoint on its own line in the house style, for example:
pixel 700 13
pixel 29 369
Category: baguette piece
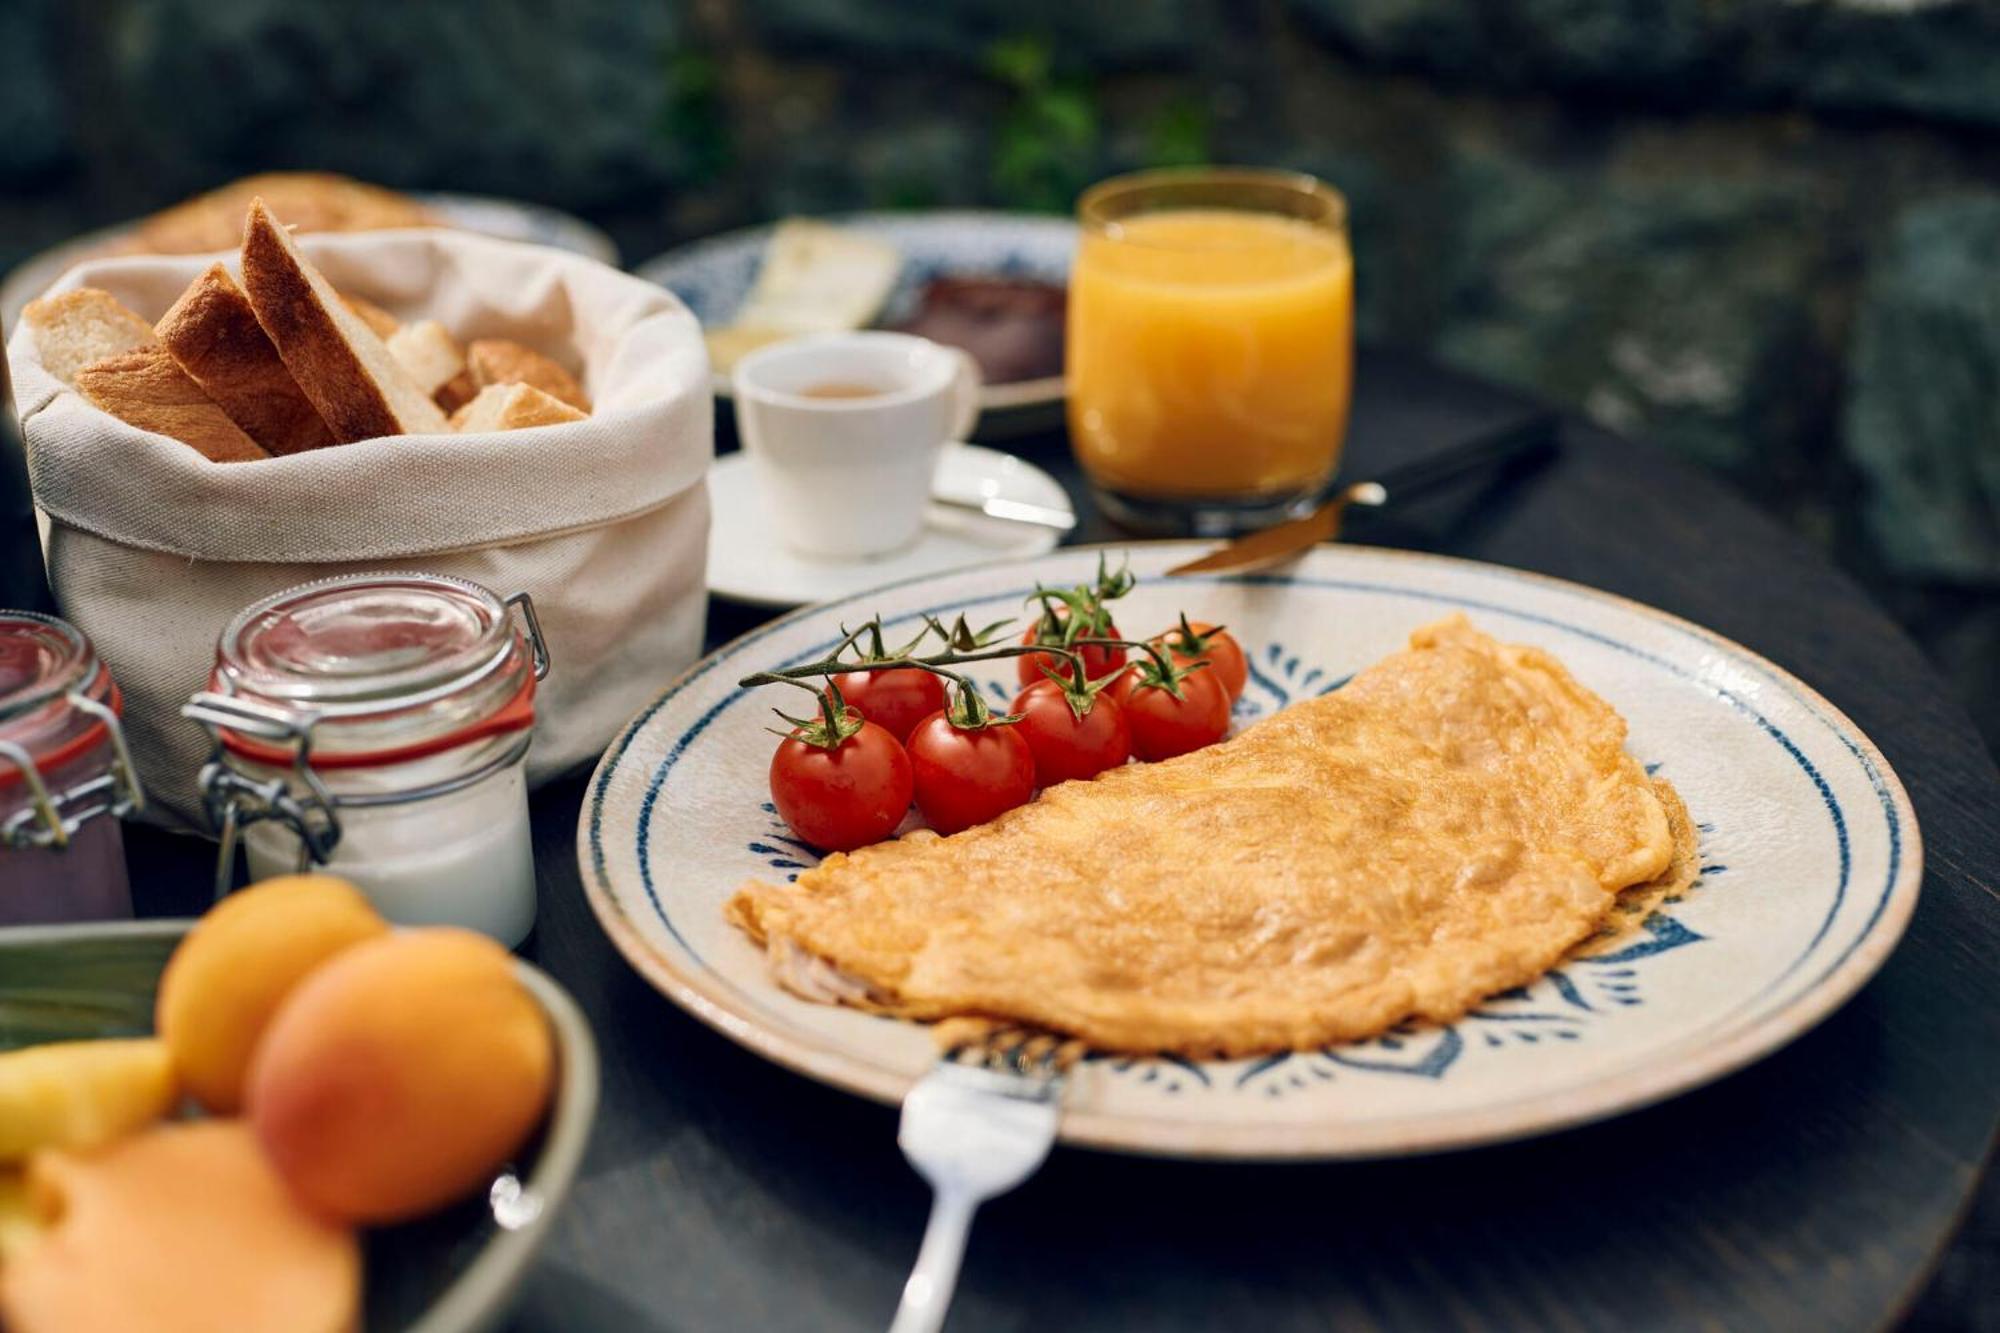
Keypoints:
pixel 374 316
pixel 343 368
pixel 430 355
pixel 512 407
pixel 81 326
pixel 503 361
pixel 213 334
pixel 148 389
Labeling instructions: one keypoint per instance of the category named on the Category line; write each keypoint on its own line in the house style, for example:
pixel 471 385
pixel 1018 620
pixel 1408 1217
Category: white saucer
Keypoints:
pixel 749 562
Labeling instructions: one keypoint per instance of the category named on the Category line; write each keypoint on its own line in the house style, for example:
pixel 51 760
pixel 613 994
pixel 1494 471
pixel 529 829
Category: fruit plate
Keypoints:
pixel 1810 864
pixel 453 1272
pixel 714 275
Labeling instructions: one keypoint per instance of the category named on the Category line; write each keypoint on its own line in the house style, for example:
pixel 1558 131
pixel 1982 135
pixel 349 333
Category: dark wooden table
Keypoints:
pixel 1816 1190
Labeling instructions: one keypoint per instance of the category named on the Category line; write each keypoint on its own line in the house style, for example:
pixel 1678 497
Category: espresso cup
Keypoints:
pixel 844 431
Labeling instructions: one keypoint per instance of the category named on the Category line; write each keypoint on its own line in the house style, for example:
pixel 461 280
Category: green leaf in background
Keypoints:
pixel 1046 148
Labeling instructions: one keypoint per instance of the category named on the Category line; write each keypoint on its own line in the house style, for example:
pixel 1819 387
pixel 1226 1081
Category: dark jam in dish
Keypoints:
pixel 1013 327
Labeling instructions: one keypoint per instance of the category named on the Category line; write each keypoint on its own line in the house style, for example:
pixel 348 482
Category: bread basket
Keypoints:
pixel 603 522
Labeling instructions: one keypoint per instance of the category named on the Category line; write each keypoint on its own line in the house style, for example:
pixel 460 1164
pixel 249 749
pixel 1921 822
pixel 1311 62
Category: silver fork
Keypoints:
pixel 975 1126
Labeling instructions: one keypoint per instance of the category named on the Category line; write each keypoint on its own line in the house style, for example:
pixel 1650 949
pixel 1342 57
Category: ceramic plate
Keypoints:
pixel 1809 870
pixel 509 219
pixel 746 565
pixel 714 275
pixel 452 1272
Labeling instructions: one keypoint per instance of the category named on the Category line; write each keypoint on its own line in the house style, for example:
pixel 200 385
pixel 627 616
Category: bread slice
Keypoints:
pixel 148 389
pixel 213 334
pixel 512 407
pixel 430 355
pixel 374 316
pixel 501 361
pixel 81 326
pixel 339 363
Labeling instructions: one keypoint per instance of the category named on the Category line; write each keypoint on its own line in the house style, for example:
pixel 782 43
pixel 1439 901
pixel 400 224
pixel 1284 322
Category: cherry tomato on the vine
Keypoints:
pixel 1163 726
pixel 894 700
pixel 1066 746
pixel 845 797
pixel 1218 648
pixel 968 776
pixel 1098 662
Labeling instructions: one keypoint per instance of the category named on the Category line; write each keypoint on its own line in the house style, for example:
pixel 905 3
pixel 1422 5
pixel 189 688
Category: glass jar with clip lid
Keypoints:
pixel 378 725
pixel 66 778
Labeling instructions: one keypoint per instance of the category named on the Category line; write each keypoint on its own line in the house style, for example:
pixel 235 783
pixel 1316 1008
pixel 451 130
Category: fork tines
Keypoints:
pixel 1023 1052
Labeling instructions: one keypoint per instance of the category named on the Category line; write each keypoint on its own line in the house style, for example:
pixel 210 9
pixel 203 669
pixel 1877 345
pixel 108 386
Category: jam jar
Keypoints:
pixel 66 778
pixel 378 725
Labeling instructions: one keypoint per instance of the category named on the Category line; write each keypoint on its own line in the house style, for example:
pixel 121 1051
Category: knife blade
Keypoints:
pixel 1285 541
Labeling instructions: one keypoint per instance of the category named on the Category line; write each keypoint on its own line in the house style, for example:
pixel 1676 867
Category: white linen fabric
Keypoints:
pixel 152 548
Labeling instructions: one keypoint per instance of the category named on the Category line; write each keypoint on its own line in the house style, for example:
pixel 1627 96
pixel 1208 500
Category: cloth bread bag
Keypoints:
pixel 152 548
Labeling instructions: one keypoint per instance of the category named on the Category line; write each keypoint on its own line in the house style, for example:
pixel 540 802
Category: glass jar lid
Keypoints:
pixel 379 668
pixel 45 664
pixel 63 760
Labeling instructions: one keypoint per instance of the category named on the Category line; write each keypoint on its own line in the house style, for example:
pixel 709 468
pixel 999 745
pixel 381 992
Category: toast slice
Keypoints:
pixel 339 363
pixel 213 334
pixel 503 361
pixel 81 326
pixel 148 389
pixel 513 407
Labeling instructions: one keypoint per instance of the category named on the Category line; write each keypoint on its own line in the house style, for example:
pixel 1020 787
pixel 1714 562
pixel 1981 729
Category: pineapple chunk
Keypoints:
pixel 80 1094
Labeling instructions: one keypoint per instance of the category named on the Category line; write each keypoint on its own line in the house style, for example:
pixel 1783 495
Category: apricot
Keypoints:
pixel 78 1094
pixel 180 1227
pixel 401 1075
pixel 239 962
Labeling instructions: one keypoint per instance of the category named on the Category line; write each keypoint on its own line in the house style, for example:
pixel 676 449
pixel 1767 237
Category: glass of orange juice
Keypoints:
pixel 1210 345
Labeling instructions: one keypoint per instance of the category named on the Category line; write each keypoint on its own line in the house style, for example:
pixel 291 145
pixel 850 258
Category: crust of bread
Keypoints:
pixel 512 407
pixel 213 334
pixel 503 361
pixel 379 321
pixel 338 361
pixel 456 392
pixel 148 389
pixel 80 326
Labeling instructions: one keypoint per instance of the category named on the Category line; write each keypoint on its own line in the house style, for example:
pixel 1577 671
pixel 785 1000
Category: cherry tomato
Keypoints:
pixel 846 797
pixel 968 777
pixel 1222 653
pixel 1163 726
pixel 1097 662
pixel 1066 746
pixel 893 700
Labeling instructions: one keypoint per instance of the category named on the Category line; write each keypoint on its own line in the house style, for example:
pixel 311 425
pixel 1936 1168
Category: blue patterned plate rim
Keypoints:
pixel 1784 1009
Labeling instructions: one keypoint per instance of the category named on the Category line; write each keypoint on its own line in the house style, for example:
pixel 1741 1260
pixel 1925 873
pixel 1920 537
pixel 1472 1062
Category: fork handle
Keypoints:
pixel 927 1293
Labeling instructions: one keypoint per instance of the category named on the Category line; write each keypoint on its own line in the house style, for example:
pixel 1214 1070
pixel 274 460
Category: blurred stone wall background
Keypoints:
pixel 1764 232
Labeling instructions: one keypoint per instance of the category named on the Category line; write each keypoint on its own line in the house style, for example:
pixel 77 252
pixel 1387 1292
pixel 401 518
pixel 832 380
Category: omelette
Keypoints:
pixel 1447 825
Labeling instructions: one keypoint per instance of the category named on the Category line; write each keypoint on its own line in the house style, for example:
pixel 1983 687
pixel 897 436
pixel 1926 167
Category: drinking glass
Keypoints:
pixel 1210 345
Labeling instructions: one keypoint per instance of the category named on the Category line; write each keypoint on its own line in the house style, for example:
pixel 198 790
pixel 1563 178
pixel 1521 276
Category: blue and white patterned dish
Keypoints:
pixel 1810 865
pixel 509 219
pixel 713 277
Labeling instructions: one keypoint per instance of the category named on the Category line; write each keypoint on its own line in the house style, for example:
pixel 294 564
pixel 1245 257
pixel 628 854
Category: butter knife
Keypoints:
pixel 1285 541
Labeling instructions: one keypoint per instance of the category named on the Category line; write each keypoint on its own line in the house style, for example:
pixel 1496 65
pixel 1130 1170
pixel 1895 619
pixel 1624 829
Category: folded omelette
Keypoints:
pixel 1447 825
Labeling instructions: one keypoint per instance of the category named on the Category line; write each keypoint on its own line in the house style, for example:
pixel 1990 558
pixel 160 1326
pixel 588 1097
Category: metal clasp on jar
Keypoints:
pixel 53 817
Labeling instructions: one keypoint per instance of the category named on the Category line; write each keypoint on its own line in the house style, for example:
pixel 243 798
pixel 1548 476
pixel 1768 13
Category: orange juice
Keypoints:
pixel 1211 353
